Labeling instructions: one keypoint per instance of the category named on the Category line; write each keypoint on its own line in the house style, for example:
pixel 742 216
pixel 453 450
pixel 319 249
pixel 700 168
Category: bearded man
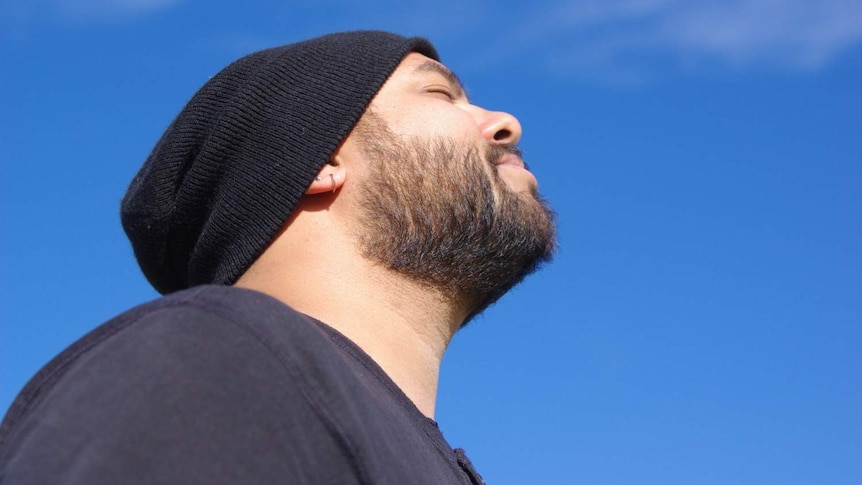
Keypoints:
pixel 322 218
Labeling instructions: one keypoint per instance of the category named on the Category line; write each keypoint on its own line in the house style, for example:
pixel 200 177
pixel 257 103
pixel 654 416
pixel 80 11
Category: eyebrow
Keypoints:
pixel 451 78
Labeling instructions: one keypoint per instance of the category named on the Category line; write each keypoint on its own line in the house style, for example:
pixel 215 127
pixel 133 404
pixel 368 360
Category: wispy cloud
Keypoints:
pixel 84 10
pixel 631 41
pixel 17 17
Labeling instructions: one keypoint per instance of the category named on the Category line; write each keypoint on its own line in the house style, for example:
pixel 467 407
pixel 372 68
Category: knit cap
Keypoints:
pixel 231 168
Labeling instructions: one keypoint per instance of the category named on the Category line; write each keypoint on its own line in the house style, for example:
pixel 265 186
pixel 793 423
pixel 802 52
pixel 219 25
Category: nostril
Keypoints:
pixel 502 135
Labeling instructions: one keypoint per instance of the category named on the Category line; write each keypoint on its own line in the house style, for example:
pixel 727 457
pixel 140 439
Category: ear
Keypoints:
pixel 330 178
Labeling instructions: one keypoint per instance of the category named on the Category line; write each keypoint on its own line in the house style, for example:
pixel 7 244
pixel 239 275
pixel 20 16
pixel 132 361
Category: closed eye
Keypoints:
pixel 442 91
pixel 453 87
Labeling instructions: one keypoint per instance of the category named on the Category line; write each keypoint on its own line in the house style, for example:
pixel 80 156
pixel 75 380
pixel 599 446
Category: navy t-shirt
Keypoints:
pixel 220 385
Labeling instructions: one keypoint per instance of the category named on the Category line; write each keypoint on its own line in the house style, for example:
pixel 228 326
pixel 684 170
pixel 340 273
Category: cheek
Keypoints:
pixel 436 121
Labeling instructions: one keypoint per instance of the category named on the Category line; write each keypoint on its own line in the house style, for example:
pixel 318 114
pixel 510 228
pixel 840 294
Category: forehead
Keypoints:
pixel 416 65
pixel 412 61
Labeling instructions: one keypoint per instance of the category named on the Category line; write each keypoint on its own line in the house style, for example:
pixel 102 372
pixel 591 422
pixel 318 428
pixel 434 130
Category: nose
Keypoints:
pixel 500 128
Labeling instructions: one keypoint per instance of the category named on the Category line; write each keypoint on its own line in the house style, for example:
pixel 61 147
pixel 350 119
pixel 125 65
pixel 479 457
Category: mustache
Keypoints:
pixel 494 153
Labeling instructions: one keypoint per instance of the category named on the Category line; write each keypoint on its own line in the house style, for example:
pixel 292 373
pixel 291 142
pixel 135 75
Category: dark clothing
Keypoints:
pixel 220 385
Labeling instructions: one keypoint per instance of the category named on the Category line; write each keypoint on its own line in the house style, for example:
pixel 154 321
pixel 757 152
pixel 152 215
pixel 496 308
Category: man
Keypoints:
pixel 323 217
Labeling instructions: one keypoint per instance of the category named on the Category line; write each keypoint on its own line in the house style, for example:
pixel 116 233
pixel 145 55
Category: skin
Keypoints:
pixel 316 264
pixel 423 98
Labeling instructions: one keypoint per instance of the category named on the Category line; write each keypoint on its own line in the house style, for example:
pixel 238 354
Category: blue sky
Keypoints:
pixel 701 323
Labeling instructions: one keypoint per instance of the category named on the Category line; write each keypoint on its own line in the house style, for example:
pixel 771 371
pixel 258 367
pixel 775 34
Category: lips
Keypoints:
pixel 510 159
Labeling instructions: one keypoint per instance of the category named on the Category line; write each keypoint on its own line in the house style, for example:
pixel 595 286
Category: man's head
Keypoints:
pixel 231 168
pixel 439 188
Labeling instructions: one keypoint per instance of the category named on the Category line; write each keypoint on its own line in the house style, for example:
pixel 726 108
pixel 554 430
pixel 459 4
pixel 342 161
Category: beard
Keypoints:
pixel 437 212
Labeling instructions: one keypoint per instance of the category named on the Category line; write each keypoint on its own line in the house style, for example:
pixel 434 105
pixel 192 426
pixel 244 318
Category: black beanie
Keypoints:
pixel 233 165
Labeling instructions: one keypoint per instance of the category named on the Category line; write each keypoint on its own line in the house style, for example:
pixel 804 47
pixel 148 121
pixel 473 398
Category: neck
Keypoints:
pixel 402 326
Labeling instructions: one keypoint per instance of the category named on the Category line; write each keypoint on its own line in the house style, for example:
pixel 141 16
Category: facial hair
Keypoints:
pixel 437 212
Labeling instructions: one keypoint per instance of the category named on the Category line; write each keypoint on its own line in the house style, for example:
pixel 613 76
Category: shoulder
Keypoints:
pixel 208 381
pixel 205 322
pixel 205 331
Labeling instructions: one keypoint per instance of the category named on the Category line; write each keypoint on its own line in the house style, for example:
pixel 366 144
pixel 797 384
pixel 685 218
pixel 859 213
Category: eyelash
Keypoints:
pixel 442 91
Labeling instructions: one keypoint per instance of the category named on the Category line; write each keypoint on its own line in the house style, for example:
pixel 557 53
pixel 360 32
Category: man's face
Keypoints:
pixel 423 98
pixel 446 200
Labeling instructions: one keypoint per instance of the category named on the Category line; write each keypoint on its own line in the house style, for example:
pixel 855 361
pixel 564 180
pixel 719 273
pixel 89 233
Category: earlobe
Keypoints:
pixel 328 180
